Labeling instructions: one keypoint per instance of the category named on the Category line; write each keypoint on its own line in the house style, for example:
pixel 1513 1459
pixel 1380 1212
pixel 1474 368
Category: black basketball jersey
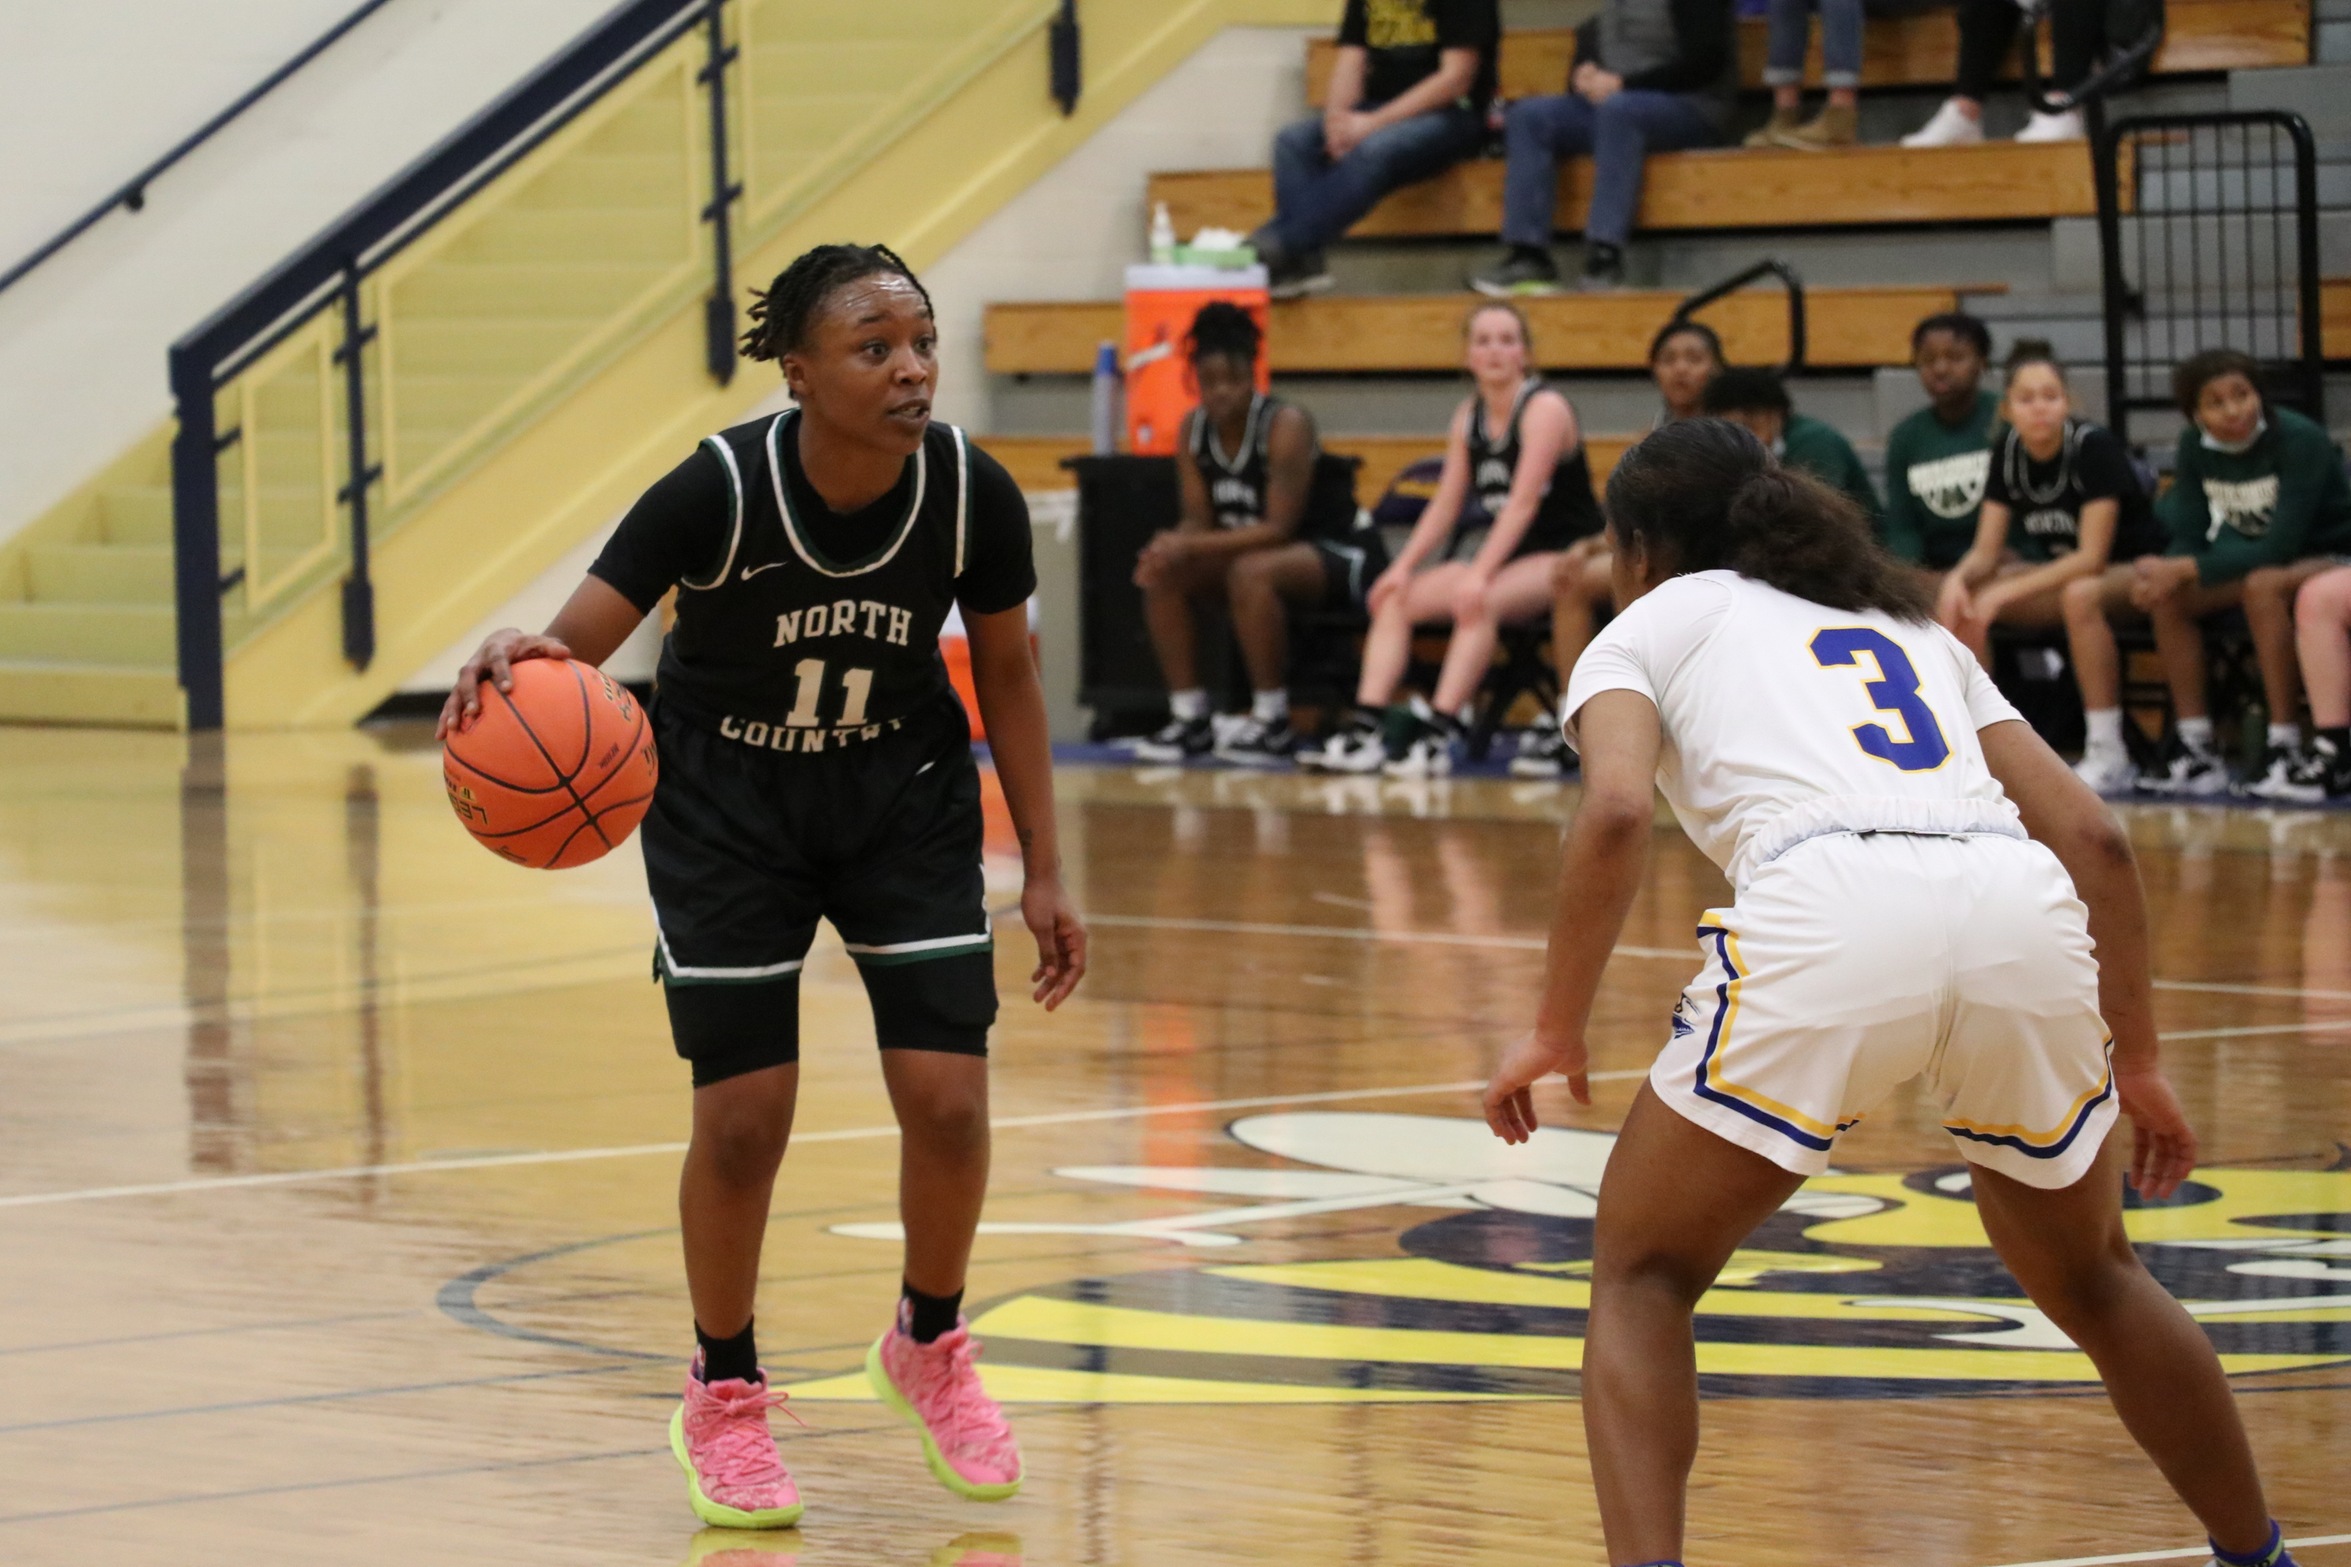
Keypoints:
pixel 1567 511
pixel 788 648
pixel 1237 483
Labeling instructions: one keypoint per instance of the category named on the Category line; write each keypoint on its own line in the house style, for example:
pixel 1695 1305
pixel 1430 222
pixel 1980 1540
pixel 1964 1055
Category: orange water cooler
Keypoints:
pixel 1161 301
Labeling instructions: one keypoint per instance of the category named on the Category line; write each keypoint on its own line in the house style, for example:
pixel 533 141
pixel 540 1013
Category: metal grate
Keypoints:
pixel 2208 238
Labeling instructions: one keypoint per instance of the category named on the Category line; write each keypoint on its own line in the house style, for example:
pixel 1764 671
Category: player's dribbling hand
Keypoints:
pixel 494 662
pixel 1509 1098
pixel 1061 940
pixel 2163 1144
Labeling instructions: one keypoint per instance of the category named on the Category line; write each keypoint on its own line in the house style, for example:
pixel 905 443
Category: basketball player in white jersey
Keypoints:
pixel 1919 883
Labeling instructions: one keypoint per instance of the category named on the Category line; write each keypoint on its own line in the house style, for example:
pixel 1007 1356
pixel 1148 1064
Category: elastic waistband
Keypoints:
pixel 1862 814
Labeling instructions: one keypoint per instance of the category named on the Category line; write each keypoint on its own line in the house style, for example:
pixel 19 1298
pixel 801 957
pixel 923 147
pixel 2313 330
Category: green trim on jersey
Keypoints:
pixel 805 547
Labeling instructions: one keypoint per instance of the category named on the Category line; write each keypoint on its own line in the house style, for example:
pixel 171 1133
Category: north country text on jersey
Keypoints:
pixel 811 736
pixel 846 618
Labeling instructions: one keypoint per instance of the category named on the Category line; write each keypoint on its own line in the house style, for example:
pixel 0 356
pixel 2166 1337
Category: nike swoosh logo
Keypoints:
pixel 752 571
pixel 924 768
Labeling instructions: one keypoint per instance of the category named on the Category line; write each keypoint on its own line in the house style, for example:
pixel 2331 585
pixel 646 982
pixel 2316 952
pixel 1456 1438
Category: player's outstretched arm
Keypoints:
pixel 1599 872
pixel 1012 705
pixel 2060 811
pixel 593 622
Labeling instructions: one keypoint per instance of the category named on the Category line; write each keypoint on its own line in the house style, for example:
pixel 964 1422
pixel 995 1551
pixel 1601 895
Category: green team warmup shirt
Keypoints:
pixel 1819 450
pixel 2280 500
pixel 1935 476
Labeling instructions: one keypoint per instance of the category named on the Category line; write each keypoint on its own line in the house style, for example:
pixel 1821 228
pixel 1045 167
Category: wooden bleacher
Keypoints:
pixel 1034 461
pixel 1923 50
pixel 1721 188
pixel 1846 328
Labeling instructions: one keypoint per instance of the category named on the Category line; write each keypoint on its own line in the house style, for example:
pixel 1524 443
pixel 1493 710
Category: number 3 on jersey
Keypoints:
pixel 1922 748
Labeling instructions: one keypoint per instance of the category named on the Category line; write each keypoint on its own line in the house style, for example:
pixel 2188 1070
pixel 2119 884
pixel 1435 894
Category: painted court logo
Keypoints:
pixel 1863 1286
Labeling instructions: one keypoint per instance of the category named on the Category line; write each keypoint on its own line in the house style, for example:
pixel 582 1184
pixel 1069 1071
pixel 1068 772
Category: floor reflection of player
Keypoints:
pixel 1892 920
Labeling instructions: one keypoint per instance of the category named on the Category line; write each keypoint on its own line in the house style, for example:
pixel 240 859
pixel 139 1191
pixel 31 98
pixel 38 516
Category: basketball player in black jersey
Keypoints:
pixel 815 763
pixel 1265 524
pixel 1516 488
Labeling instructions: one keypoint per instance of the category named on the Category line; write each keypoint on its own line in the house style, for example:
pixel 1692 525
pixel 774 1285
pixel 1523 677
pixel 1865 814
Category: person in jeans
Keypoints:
pixel 1407 99
pixel 1987 32
pixel 1649 76
pixel 1839 122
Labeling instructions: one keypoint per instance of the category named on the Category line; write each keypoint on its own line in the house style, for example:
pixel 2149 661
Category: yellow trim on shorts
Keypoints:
pixel 1722 1050
pixel 2065 1123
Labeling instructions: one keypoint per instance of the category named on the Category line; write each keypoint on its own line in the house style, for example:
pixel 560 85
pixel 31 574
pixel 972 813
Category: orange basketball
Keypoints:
pixel 556 772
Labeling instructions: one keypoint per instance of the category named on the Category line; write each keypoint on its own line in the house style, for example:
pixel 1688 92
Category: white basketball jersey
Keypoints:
pixel 1785 720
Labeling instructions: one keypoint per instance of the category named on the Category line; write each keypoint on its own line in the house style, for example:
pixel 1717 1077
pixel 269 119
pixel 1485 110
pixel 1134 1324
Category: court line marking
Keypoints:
pixel 642 1150
pixel 2191 1554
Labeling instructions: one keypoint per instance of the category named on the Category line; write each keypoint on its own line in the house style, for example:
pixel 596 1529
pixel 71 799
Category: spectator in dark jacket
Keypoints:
pixel 1649 76
pixel 1407 98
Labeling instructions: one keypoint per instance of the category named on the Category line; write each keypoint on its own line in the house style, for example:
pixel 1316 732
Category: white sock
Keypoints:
pixel 2288 736
pixel 2196 735
pixel 1188 705
pixel 2105 728
pixel 1270 707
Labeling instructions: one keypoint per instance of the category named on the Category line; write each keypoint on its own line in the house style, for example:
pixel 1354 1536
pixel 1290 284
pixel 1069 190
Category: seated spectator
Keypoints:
pixel 1407 98
pixel 1758 400
pixel 2322 634
pixel 1937 459
pixel 1988 31
pixel 1516 487
pixel 1649 76
pixel 2061 503
pixel 2258 505
pixel 1839 122
pixel 1254 532
pixel 1683 357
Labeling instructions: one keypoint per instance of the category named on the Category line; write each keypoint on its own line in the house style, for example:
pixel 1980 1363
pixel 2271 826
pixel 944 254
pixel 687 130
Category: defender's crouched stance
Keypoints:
pixel 816 765
pixel 1919 885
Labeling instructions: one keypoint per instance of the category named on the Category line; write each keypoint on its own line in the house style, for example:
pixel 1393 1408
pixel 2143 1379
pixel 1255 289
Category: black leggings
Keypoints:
pixel 1988 29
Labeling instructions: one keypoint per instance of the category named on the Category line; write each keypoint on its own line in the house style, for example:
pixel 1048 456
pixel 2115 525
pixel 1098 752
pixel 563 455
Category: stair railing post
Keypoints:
pixel 359 600
pixel 195 540
pixel 719 313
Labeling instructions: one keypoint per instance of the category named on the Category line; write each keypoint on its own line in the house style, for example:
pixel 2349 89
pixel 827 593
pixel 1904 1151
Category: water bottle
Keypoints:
pixel 1105 406
pixel 1163 238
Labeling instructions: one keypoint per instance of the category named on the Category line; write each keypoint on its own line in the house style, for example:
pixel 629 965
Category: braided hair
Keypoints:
pixel 1223 330
pixel 781 314
pixel 1706 495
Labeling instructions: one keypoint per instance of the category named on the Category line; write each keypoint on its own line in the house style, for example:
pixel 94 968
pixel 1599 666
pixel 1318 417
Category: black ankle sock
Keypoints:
pixel 930 1316
pixel 728 1359
pixel 2340 739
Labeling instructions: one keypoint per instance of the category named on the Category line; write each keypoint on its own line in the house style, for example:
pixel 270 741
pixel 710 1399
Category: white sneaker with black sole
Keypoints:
pixel 1177 740
pixel 1356 748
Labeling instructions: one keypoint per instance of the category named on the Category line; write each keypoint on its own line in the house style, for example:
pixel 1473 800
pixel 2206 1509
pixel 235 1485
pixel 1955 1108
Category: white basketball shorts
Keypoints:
pixel 1853 963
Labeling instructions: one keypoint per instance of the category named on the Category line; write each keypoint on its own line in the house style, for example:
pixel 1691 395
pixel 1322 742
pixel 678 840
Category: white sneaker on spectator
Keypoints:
pixel 2054 127
pixel 2187 773
pixel 2107 771
pixel 2288 773
pixel 1356 748
pixel 1952 126
pixel 1429 756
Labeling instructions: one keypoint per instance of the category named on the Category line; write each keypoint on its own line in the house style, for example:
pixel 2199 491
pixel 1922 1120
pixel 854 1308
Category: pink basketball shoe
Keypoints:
pixel 936 1389
pixel 734 1476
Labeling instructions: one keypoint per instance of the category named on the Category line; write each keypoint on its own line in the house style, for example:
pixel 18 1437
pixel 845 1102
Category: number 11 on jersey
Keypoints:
pixel 1922 748
pixel 808 690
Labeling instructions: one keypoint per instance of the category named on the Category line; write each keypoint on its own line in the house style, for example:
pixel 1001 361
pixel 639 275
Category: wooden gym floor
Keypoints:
pixel 336 1219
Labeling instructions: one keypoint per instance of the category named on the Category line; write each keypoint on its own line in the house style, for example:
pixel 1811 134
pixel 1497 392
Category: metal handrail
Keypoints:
pixel 2121 69
pixel 133 194
pixel 335 262
pixel 2120 302
pixel 1769 266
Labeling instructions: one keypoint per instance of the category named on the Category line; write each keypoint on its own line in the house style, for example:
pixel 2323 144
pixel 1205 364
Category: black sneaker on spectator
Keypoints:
pixel 1428 748
pixel 1523 271
pixel 1251 742
pixel 2186 773
pixel 2289 773
pixel 1178 740
pixel 1295 276
pixel 2334 766
pixel 1543 754
pixel 1603 269
pixel 1356 747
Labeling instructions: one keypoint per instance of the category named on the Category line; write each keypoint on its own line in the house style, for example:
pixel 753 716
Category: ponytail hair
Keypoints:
pixel 1704 495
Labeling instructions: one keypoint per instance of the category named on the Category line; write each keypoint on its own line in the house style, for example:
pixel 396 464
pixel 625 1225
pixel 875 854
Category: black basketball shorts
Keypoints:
pixel 1349 567
pixel 746 849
